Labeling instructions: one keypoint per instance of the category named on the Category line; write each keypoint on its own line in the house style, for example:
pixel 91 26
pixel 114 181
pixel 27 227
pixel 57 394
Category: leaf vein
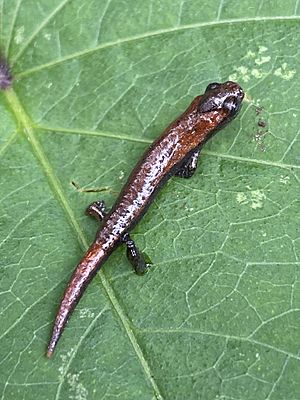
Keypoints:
pixel 110 135
pixel 37 31
pixel 147 35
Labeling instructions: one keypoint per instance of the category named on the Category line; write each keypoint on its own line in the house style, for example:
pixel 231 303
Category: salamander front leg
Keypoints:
pixel 135 257
pixel 189 167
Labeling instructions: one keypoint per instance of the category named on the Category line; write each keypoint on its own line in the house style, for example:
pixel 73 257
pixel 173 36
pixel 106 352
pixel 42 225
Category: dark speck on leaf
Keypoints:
pixel 258 110
pixel 5 75
pixel 262 123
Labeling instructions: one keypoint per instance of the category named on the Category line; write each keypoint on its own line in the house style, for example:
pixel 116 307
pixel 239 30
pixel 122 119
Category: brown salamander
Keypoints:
pixel 175 152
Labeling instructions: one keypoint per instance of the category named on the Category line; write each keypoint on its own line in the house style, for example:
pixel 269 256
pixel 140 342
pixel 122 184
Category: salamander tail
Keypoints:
pixel 83 274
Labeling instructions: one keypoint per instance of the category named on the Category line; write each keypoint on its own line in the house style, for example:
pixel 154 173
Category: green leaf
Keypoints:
pixel 217 317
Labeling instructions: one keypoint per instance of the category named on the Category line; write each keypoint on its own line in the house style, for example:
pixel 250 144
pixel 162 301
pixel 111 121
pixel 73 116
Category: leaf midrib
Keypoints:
pixel 25 121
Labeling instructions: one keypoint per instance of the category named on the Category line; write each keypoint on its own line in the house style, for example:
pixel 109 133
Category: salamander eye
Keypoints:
pixel 232 105
pixel 212 86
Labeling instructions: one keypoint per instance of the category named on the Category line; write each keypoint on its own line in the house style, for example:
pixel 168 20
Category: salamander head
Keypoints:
pixel 226 97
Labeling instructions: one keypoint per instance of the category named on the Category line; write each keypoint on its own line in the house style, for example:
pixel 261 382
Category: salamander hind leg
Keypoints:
pixel 135 257
pixel 189 166
pixel 97 210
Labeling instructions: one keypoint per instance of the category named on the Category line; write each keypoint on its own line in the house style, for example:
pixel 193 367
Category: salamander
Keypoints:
pixel 175 152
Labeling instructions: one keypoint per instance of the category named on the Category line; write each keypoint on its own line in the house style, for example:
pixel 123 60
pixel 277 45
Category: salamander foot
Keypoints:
pixel 97 210
pixel 135 257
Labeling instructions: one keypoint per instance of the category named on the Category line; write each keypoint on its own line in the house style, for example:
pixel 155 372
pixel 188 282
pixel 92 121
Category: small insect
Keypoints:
pixel 175 152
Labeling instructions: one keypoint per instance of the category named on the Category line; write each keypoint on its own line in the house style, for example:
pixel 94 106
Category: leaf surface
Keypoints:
pixel 217 317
